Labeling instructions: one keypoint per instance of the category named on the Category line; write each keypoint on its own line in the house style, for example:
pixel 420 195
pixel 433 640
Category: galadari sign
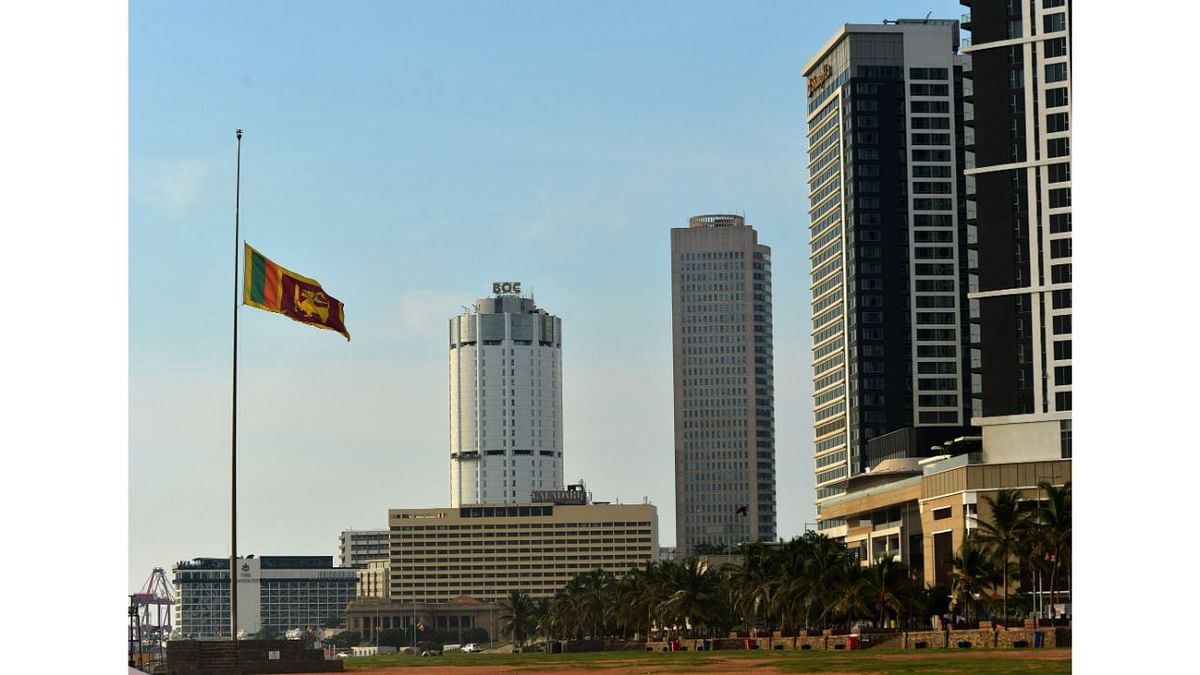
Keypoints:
pixel 559 496
pixel 499 287
pixel 819 78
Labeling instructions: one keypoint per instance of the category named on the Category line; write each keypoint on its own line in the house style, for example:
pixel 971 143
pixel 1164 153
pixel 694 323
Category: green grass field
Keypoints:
pixel 869 661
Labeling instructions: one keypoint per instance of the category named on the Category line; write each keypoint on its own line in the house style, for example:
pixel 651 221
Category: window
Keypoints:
pixel 1060 274
pixel 942 513
pixel 1059 173
pixel 1060 248
pixel 1056 72
pixel 1016 103
pixel 1054 47
pixel 1047 4
pixel 932 188
pixel 932 219
pixel 931 204
pixel 1062 401
pixel 937 400
pixel 1061 299
pixel 930 106
pixel 928 73
pixel 1062 375
pixel 1062 350
pixel 931 123
pixel 1062 324
pixel 866 105
pixel 931 139
pixel 1060 222
pixel 925 236
pixel 931 155
pixel 1056 98
pixel 1052 23
pixel 1060 198
pixel 1057 122
pixel 928 90
pixel 1058 147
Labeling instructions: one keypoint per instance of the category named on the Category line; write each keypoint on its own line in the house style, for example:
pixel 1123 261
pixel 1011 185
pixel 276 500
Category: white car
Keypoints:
pixel 471 648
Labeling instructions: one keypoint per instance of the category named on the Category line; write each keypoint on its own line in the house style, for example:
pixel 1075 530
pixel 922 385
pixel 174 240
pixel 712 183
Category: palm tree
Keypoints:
pixel 824 571
pixel 752 584
pixel 1004 533
pixel 694 595
pixel 791 589
pixel 888 585
pixel 850 598
pixel 1053 522
pixel 972 572
pixel 590 591
pixel 518 617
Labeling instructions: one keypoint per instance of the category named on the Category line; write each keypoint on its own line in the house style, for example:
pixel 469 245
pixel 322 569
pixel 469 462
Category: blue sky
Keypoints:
pixel 406 155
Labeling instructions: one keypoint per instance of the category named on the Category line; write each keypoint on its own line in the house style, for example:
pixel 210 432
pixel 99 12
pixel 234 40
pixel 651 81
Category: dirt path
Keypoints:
pixel 731 665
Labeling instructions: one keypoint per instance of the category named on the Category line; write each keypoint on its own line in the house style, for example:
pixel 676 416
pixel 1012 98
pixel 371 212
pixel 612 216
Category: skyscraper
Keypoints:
pixel 1021 184
pixel 505 400
pixel 724 384
pixel 887 222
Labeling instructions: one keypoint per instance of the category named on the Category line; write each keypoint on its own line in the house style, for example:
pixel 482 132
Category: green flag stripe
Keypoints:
pixel 258 277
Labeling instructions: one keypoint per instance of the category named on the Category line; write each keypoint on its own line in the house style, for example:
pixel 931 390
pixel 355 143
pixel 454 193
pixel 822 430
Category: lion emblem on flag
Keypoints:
pixel 311 303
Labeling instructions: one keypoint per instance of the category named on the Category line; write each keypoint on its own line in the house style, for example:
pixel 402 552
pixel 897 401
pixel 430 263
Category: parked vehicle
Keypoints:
pixel 471 648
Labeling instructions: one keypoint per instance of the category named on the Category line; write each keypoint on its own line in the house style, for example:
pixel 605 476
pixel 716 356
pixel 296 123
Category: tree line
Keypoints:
pixel 813 583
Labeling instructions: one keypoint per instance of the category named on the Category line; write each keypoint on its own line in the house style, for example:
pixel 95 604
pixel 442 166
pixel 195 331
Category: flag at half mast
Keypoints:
pixel 276 289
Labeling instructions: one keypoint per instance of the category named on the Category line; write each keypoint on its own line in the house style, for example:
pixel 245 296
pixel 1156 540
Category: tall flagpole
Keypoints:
pixel 233 628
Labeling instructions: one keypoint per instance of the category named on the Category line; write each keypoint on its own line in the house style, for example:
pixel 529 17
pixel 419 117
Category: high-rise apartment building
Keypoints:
pixel 887 222
pixel 1020 181
pixel 724 384
pixel 506 433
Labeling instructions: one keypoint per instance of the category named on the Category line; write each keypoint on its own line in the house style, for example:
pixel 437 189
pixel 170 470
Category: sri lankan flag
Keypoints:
pixel 275 289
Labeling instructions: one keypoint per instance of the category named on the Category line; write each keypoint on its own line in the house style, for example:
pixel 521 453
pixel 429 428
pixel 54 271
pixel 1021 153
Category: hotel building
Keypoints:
pixel 887 221
pixel 487 551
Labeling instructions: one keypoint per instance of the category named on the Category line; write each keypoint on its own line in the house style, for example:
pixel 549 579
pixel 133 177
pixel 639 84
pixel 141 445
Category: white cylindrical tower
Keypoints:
pixel 505 400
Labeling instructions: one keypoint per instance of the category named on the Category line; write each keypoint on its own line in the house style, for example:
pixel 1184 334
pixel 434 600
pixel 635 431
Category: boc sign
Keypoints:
pixel 499 287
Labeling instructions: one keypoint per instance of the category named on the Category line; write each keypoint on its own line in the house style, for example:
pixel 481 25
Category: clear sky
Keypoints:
pixel 406 155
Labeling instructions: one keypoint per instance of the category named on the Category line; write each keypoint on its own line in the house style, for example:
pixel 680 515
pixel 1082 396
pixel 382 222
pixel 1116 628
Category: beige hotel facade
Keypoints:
pixel 487 551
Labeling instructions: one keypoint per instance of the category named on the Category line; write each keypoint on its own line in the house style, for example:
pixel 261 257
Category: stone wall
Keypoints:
pixel 245 657
pixel 982 638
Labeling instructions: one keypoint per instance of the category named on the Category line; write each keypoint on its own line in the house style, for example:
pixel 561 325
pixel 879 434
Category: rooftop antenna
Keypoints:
pixel 928 15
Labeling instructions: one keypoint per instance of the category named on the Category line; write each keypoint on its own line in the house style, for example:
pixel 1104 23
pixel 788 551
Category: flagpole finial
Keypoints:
pixel 239 134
